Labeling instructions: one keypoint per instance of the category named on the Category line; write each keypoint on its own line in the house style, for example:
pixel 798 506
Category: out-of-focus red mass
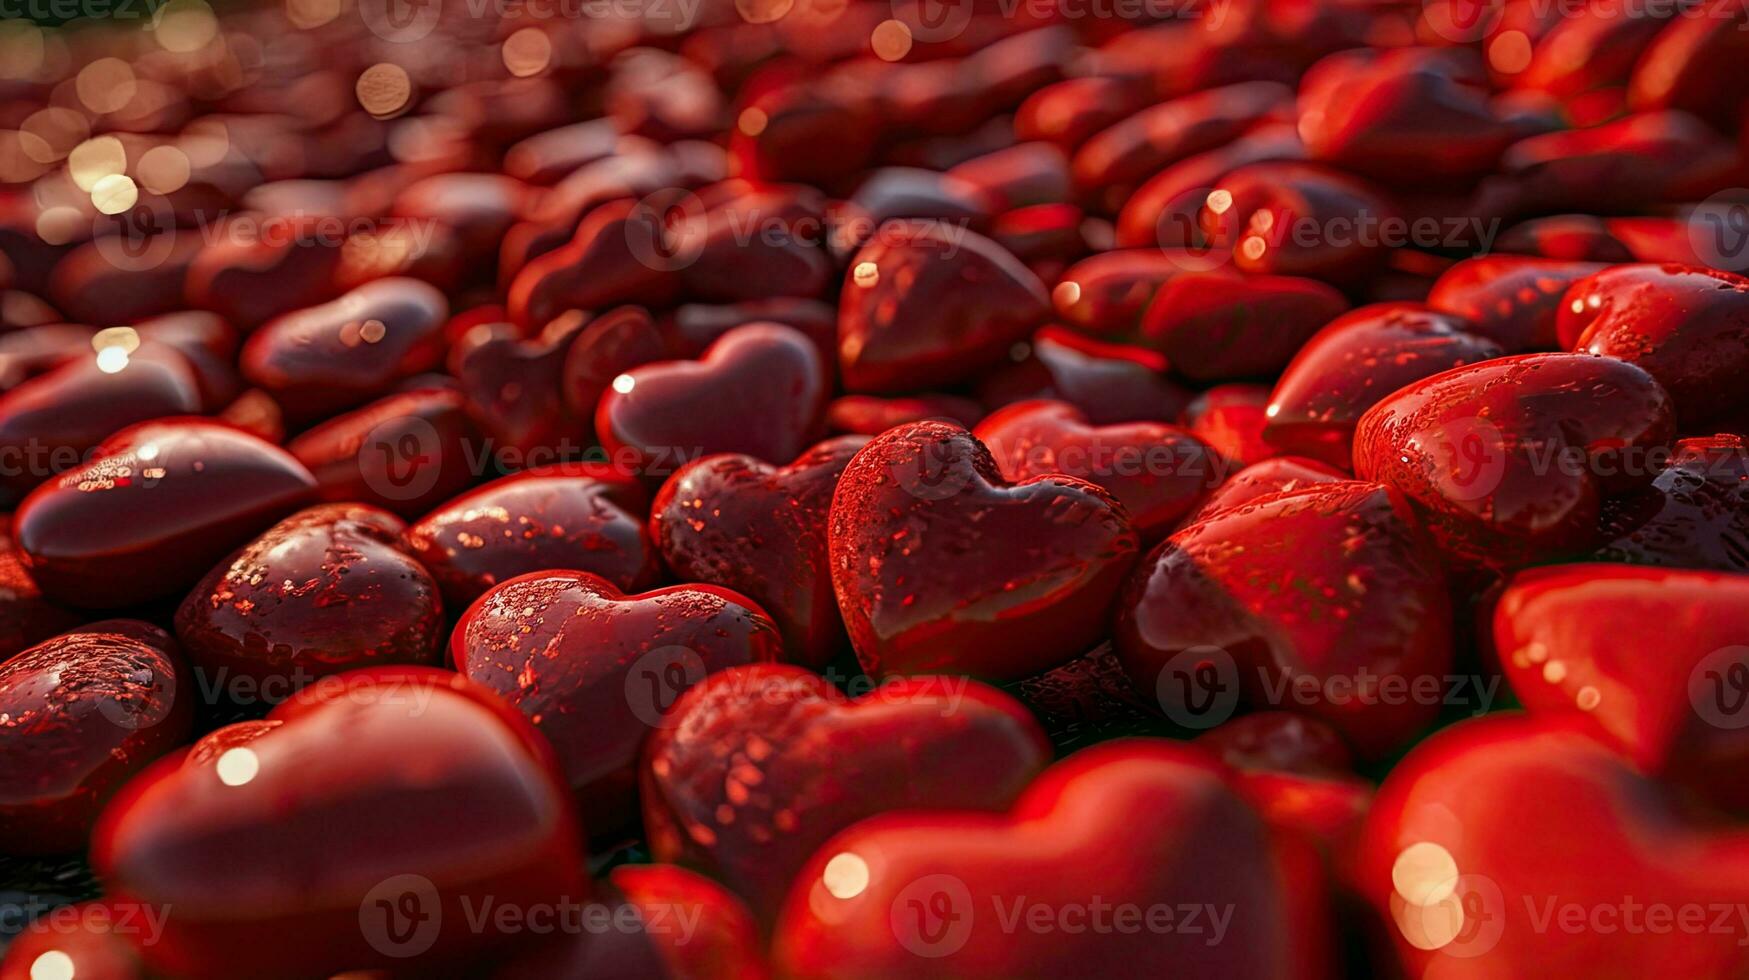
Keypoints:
pixel 874 488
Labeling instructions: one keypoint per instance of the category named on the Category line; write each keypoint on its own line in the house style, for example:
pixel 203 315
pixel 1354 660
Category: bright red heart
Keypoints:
pixel 1269 476
pixel 325 590
pixel 586 516
pixel 759 765
pixel 1566 640
pixel 596 670
pixel 941 566
pixel 761 390
pixel 26 618
pixel 1513 300
pixel 1510 459
pixel 1231 418
pixel 447 799
pixel 1327 600
pixel 85 711
pixel 162 502
pixel 929 304
pixel 1515 847
pixel 1158 472
pixel 1355 361
pixel 760 530
pixel 1221 325
pixel 1688 327
pixel 1069 883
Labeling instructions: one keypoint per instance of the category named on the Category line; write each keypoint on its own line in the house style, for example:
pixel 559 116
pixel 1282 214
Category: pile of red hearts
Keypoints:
pixel 839 488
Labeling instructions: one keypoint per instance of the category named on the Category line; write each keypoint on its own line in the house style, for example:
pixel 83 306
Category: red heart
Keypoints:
pixel 1694 515
pixel 1111 383
pixel 1231 418
pixel 1565 637
pixel 325 590
pixel 596 670
pixel 1355 361
pixel 1265 477
pixel 943 567
pixel 1515 847
pixel 147 518
pixel 406 453
pixel 760 389
pixel 1688 327
pixel 759 529
pixel 1327 600
pixel 1069 883
pixel 447 799
pixel 517 388
pixel 86 711
pixel 929 304
pixel 621 253
pixel 1221 325
pixel 1513 300
pixel 759 765
pixel 1158 472
pixel 586 516
pixel 1511 458
pixel 26 618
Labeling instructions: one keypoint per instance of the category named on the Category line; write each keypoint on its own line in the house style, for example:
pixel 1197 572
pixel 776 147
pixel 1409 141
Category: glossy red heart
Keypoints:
pixel 406 453
pixel 586 516
pixel 761 390
pixel 447 797
pixel 1355 361
pixel 595 670
pixel 1111 383
pixel 26 618
pixel 1688 327
pixel 1511 459
pixel 942 566
pixel 759 765
pixel 1231 418
pixel 928 304
pixel 325 590
pixel 1694 515
pixel 326 359
pixel 1266 477
pixel 1327 600
pixel 599 268
pixel 86 711
pixel 1566 637
pixel 151 514
pixel 1221 325
pixel 760 530
pixel 516 388
pixel 1158 472
pixel 1513 300
pixel 1199 889
pixel 1512 846
pixel 1299 219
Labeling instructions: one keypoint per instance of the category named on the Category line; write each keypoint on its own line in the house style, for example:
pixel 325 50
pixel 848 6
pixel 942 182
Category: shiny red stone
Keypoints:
pixel 942 566
pixel 741 523
pixel 583 516
pixel 759 765
pixel 325 590
pixel 1111 383
pixel 1266 477
pixel 151 514
pixel 1510 299
pixel 1694 515
pixel 82 714
pixel 596 670
pixel 1231 418
pixel 444 797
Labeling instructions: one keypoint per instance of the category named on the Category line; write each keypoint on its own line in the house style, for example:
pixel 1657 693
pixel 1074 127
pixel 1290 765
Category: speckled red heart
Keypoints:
pixel 1511 459
pixel 325 590
pixel 1513 300
pixel 1221 325
pixel 1352 363
pixel 1327 600
pixel 760 765
pixel 1686 326
pixel 1266 477
pixel 1566 633
pixel 446 799
pixel 759 529
pixel 1158 472
pixel 595 670
pixel 923 894
pixel 942 566
pixel 761 390
pixel 1694 515
pixel 1458 861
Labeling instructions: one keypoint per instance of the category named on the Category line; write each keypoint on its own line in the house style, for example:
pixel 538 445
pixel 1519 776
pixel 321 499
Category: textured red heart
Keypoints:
pixel 1265 477
pixel 1222 325
pixel 596 670
pixel 1513 300
pixel 1158 472
pixel 1355 361
pixel 447 797
pixel 760 765
pixel 760 389
pixel 1514 847
pixel 1327 600
pixel 1511 458
pixel 1565 637
pixel 1694 515
pixel 1068 883
pixel 759 529
pixel 941 566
